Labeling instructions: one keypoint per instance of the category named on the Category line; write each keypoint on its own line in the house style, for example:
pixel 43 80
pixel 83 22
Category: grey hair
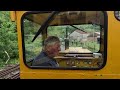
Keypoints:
pixel 51 40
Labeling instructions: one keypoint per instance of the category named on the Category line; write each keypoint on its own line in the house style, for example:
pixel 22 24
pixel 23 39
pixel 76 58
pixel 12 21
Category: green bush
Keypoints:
pixel 8 37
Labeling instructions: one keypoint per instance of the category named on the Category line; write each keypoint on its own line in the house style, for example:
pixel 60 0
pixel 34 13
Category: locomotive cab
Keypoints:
pixel 89 43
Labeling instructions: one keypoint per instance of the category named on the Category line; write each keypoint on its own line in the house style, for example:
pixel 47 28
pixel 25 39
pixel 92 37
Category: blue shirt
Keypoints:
pixel 43 60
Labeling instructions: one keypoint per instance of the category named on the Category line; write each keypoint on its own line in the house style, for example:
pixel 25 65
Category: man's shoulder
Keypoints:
pixel 41 55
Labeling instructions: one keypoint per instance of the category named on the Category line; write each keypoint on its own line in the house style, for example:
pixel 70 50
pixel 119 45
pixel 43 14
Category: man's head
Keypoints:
pixel 52 46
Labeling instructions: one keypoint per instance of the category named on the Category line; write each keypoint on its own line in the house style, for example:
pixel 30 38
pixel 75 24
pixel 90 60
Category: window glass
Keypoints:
pixel 81 38
pixel 81 35
pixel 31 49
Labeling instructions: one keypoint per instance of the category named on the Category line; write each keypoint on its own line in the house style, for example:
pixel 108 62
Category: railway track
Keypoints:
pixel 12 72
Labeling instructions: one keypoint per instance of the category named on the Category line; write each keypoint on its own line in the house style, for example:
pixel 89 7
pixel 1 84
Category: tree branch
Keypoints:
pixel 7 56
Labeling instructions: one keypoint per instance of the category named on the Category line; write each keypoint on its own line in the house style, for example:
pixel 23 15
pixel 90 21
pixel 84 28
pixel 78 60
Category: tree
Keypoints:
pixel 8 37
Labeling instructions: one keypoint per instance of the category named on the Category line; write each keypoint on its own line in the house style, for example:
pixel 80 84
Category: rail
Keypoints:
pixel 10 73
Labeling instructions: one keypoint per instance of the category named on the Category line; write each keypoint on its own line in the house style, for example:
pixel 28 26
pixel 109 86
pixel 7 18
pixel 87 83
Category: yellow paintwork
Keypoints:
pixel 12 15
pixel 110 71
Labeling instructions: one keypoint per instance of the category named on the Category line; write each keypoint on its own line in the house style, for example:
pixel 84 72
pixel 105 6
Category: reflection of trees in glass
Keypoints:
pixel 30 27
pixel 31 48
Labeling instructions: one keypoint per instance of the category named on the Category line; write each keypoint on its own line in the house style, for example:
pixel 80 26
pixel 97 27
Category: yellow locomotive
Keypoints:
pixel 90 43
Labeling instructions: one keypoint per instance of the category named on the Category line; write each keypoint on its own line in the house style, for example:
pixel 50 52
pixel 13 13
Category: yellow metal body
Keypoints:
pixel 13 15
pixel 110 71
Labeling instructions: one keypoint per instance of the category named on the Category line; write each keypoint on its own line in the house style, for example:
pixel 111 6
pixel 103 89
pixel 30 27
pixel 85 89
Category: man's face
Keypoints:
pixel 54 49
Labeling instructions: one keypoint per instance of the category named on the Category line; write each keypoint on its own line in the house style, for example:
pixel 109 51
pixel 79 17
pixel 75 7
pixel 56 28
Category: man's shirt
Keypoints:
pixel 43 60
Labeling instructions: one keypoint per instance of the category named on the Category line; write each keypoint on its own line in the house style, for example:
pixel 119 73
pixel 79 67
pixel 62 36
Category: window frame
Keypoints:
pixel 64 68
pixel 116 16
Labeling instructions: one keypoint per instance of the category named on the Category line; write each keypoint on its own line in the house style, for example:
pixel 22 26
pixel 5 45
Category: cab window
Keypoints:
pixel 82 35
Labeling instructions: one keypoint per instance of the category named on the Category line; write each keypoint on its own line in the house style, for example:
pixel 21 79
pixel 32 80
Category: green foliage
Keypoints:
pixel 12 61
pixel 89 27
pixel 92 46
pixel 8 37
pixel 31 48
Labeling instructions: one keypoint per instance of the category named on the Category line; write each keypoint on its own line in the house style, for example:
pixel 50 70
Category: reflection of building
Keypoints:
pixel 79 35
